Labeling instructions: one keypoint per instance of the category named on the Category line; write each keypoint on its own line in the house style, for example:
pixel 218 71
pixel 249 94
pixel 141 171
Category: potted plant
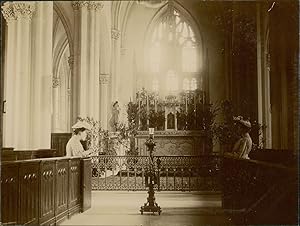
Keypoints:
pixel 226 133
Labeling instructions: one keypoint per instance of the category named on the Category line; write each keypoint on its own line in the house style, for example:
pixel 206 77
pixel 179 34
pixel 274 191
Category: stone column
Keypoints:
pixel 23 12
pixel 97 68
pixel 104 80
pixel 86 68
pixel 263 77
pixel 41 85
pixel 70 121
pixel 46 77
pixel 9 75
pixel 259 70
pixel 55 96
pixel 115 71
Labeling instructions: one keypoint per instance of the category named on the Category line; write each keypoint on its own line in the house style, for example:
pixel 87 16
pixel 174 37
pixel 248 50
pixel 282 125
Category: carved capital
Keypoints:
pixel 71 61
pixel 95 5
pixel 23 9
pixel 115 34
pixel 55 82
pixel 79 4
pixel 8 12
pixel 104 78
pixel 90 5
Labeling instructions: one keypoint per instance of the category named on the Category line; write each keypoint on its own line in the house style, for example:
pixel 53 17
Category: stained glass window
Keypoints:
pixel 174 50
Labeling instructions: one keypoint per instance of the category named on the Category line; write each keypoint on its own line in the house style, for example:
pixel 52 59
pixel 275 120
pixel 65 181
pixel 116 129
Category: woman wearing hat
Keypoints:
pixel 243 146
pixel 74 146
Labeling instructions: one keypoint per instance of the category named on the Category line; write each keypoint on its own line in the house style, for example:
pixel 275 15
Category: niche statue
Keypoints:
pixel 114 120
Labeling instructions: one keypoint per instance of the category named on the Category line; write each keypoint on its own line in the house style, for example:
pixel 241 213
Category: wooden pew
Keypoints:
pixel 9 154
pixel 258 193
pixel 44 191
pixel 277 156
pixel 59 142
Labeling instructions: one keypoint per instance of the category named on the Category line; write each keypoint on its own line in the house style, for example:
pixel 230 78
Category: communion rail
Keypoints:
pixel 173 173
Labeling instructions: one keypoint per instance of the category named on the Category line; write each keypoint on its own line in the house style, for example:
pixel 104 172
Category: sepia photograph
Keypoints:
pixel 150 112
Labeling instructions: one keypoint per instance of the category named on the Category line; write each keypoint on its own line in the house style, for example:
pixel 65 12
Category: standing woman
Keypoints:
pixel 243 146
pixel 74 146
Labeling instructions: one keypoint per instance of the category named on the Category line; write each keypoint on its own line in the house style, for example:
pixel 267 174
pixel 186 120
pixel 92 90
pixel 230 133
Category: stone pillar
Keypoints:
pixel 55 99
pixel 70 121
pixel 97 67
pixel 10 75
pixel 41 86
pixel 30 74
pixel 23 12
pixel 115 71
pixel 18 73
pixel 104 80
pixel 259 70
pixel 85 88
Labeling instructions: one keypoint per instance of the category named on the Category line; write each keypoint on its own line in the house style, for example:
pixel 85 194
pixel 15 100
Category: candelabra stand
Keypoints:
pixel 151 205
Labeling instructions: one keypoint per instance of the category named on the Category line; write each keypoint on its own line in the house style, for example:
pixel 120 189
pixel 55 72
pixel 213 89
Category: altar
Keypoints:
pixel 171 143
pixel 182 122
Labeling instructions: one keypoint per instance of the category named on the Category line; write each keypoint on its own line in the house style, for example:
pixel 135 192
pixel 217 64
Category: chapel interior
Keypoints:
pixel 159 82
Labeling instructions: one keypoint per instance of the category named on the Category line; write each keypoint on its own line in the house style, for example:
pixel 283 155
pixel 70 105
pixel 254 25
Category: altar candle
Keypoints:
pixel 186 102
pixel 139 107
pixel 194 101
pixel 147 104
pixel 151 131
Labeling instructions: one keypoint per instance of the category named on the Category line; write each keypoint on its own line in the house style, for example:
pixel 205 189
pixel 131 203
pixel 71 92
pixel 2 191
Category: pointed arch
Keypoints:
pixel 184 13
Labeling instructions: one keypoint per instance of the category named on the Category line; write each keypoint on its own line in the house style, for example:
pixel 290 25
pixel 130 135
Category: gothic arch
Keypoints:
pixel 186 15
pixel 120 14
pixel 66 23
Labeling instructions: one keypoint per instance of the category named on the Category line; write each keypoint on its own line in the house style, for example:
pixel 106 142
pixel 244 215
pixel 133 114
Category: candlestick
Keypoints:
pixel 147 101
pixel 186 102
pixel 151 131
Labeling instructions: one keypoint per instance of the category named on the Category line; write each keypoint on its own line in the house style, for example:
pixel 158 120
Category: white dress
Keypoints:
pixel 74 147
pixel 243 146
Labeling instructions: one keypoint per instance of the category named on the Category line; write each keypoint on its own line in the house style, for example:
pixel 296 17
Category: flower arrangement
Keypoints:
pixel 226 133
pixel 94 135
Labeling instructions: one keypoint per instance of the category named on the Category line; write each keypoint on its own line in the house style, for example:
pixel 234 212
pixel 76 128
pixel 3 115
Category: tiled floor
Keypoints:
pixel 178 209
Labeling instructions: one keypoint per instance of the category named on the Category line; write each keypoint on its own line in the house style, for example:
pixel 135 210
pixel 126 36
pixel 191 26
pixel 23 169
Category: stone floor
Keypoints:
pixel 178 209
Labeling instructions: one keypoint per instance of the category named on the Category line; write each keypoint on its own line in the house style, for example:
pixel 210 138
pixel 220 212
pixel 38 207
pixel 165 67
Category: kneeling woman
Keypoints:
pixel 74 146
pixel 243 146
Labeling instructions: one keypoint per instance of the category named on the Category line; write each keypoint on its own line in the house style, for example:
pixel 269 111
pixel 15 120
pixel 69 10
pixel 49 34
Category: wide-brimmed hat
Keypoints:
pixel 240 119
pixel 81 124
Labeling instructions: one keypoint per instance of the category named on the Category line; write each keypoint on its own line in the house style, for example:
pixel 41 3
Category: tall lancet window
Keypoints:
pixel 193 84
pixel 174 51
pixel 172 81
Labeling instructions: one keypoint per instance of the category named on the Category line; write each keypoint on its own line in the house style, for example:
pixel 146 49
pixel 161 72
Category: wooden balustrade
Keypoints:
pixel 9 154
pixel 284 157
pixel 43 191
pixel 59 142
pixel 257 192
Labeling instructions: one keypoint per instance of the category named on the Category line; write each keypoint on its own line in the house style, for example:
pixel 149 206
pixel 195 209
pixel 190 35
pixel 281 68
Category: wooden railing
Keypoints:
pixel 59 142
pixel 276 156
pixel 257 192
pixel 9 154
pixel 44 191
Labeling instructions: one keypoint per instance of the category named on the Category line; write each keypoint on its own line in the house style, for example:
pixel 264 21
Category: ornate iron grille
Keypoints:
pixel 173 173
